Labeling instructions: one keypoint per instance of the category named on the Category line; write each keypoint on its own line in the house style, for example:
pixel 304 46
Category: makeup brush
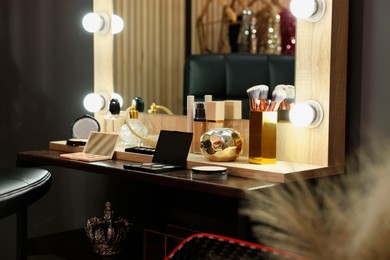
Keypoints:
pixel 257 105
pixel 283 104
pixel 290 98
pixel 263 97
pixel 278 95
pixel 253 94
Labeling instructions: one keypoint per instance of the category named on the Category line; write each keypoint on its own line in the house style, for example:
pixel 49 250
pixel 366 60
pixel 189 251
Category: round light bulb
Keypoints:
pixel 303 9
pixel 92 22
pixel 93 102
pixel 302 115
pixel 117 24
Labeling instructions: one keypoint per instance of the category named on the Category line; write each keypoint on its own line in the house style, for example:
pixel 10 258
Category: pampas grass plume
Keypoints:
pixel 346 217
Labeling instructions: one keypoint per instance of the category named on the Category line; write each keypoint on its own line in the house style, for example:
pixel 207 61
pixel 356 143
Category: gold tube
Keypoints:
pixel 262 137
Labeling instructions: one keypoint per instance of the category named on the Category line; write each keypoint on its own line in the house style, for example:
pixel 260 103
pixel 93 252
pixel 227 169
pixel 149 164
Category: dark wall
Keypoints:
pixel 368 89
pixel 375 70
pixel 46 68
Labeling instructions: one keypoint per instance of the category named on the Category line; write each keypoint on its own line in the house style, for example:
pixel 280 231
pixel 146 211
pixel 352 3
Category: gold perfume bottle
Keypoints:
pixel 262 137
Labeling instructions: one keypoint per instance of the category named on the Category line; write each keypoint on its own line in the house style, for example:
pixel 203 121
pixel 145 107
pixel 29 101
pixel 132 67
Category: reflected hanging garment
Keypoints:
pixel 213 35
pixel 247 40
pixel 268 32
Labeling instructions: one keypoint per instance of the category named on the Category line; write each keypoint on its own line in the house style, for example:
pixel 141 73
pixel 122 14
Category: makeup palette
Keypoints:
pixel 170 154
pixel 140 149
pixel 151 167
pixel 99 147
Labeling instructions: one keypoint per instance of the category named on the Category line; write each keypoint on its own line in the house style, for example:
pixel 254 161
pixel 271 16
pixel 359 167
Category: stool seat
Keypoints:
pixel 19 187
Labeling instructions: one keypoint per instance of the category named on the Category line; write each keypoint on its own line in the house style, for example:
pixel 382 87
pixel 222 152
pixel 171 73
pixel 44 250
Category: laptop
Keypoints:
pixel 170 154
pixel 100 146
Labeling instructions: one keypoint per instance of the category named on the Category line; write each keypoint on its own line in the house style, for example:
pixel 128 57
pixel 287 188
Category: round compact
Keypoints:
pixel 209 170
pixel 82 126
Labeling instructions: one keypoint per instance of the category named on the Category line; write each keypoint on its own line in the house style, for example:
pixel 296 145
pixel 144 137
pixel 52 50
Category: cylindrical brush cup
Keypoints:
pixel 262 137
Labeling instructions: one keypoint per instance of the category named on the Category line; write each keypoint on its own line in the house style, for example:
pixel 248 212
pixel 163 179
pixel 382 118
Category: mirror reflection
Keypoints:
pixel 150 55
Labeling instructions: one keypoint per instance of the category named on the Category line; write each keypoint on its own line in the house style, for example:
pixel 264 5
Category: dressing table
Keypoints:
pixel 167 207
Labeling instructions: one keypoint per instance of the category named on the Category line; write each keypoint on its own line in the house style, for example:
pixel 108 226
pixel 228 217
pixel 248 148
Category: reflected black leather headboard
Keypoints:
pixel 228 76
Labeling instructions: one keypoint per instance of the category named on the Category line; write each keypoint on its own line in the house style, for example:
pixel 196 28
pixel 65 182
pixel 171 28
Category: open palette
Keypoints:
pixel 99 147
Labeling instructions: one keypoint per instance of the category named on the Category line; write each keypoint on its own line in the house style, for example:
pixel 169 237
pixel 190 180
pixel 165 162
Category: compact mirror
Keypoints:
pixel 83 125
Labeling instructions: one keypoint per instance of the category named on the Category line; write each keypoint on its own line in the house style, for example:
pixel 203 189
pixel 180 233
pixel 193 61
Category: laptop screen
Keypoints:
pixel 172 147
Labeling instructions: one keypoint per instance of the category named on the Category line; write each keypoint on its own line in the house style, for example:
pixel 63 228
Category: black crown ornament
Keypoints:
pixel 107 234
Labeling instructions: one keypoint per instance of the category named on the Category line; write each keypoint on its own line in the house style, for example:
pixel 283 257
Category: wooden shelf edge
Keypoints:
pixel 280 172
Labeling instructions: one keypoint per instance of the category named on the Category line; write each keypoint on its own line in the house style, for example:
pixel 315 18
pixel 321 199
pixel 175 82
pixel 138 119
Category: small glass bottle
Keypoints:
pixel 127 135
pixel 113 122
pixel 138 103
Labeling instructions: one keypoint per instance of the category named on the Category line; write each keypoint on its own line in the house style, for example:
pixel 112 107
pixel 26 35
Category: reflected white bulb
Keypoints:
pixel 92 22
pixel 118 97
pixel 94 102
pixel 117 24
pixel 303 9
pixel 302 115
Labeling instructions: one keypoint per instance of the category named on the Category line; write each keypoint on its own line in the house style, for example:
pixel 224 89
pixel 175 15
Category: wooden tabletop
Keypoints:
pixel 229 186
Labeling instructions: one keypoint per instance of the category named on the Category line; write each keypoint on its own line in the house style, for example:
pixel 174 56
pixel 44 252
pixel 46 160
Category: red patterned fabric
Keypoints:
pixel 209 246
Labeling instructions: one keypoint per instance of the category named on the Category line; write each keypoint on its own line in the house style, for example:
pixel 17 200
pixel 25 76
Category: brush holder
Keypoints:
pixel 262 137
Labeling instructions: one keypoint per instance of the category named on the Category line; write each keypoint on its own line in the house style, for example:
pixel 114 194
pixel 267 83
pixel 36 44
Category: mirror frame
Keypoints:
pixel 321 71
pixel 102 55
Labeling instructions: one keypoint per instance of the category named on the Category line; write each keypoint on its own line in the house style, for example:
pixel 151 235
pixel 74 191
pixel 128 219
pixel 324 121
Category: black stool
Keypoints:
pixel 20 187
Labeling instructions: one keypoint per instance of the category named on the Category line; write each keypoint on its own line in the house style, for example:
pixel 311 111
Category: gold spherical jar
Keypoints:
pixel 221 144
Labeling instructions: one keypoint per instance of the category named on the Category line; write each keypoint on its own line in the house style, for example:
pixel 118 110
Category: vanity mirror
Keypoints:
pixel 321 61
pixel 149 55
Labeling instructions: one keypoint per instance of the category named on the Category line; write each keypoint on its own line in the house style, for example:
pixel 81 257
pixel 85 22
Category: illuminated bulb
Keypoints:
pixel 301 115
pixel 311 10
pixel 307 114
pixel 94 102
pixel 303 8
pixel 117 24
pixel 93 22
pixel 118 97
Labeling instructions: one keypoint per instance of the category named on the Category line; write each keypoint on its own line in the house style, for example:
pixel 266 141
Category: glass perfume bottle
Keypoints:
pixel 113 122
pixel 127 135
